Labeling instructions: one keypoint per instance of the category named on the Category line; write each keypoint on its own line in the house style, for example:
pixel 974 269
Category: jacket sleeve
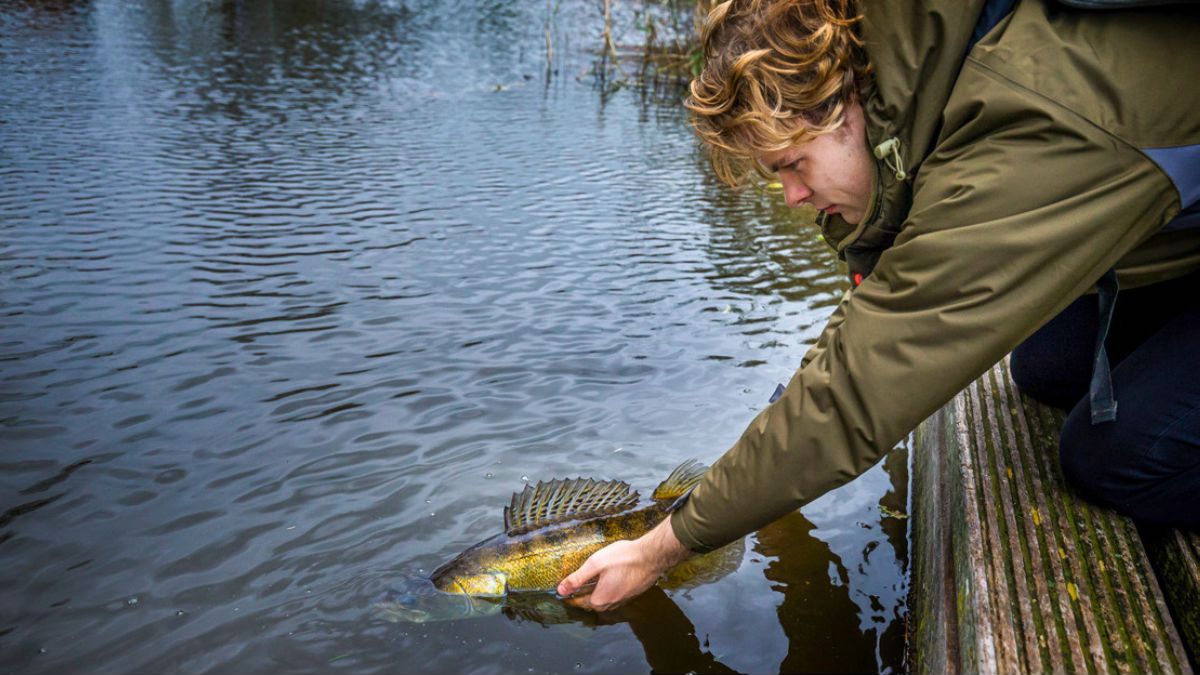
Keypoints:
pixel 1020 208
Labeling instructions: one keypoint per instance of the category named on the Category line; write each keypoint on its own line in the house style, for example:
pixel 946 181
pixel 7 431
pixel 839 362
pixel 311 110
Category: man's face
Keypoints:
pixel 832 171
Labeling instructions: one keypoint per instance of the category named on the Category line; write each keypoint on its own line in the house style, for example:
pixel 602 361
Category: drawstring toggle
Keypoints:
pixel 889 152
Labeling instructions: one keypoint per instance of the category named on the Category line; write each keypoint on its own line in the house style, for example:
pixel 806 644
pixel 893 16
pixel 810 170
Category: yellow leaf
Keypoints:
pixel 1072 591
pixel 1037 517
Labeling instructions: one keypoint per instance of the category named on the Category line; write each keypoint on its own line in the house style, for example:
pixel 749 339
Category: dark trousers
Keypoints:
pixel 1146 463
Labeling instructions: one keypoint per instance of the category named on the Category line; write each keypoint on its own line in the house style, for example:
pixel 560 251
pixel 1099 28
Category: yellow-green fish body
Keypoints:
pixel 552 528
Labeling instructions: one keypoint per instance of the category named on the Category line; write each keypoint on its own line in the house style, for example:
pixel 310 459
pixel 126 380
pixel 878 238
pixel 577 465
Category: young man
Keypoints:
pixel 981 165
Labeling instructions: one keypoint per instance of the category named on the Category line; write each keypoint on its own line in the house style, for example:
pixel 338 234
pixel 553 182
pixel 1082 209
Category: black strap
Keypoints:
pixel 1100 393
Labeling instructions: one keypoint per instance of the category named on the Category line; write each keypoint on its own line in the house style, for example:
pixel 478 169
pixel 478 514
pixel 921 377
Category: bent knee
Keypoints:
pixel 1107 464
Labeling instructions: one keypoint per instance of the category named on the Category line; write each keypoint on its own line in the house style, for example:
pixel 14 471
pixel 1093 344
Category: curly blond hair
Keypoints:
pixel 776 73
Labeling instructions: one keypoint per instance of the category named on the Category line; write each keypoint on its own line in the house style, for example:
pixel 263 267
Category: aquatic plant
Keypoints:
pixel 653 43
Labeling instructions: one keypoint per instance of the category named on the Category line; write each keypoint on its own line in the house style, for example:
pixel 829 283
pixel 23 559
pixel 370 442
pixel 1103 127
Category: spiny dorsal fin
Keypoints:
pixel 561 500
pixel 682 479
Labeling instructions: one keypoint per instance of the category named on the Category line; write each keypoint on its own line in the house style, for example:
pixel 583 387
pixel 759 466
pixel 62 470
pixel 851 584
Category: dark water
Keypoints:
pixel 293 299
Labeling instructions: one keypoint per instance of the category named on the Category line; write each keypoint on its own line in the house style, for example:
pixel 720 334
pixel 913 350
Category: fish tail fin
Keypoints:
pixel 681 481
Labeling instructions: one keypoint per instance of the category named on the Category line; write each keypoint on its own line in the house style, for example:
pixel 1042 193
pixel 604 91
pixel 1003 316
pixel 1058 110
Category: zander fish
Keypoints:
pixel 550 529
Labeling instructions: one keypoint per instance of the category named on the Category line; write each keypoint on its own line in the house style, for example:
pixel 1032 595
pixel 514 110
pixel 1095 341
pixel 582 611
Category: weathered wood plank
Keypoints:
pixel 1176 558
pixel 1000 510
pixel 1053 543
pixel 1080 623
pixel 1011 571
pixel 933 639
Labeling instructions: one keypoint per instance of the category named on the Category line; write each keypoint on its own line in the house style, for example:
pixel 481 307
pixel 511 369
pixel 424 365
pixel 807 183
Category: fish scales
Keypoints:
pixel 574 519
pixel 538 560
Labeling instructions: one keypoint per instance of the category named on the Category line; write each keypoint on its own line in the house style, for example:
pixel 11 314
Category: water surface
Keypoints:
pixel 296 294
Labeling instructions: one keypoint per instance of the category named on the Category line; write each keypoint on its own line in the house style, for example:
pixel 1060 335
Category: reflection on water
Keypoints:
pixel 663 630
pixel 295 296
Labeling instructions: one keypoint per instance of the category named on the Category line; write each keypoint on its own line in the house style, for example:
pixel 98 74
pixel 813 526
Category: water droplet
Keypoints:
pixel 489 475
pixel 578 665
pixel 42 650
pixel 428 501
pixel 525 478
pixel 432 513
pixel 131 602
pixel 179 613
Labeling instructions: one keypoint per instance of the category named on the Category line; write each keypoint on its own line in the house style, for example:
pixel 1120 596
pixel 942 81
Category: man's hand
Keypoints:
pixel 625 569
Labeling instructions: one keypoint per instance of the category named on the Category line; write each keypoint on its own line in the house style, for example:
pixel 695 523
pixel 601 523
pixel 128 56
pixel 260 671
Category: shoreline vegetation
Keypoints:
pixel 643 43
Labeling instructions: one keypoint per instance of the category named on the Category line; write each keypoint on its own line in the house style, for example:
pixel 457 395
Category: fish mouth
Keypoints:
pixel 418 601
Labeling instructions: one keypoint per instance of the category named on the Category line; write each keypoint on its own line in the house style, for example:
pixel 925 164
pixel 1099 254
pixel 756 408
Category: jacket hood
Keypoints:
pixel 916 50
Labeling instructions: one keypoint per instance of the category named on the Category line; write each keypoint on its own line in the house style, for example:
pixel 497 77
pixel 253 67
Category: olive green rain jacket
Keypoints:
pixel 1013 176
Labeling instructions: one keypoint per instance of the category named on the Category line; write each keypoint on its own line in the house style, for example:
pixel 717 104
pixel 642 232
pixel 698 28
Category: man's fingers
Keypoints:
pixel 580 601
pixel 578 578
pixel 607 594
pixel 585 602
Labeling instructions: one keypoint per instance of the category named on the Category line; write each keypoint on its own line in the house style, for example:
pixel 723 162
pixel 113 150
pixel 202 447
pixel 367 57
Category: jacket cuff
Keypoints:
pixel 681 526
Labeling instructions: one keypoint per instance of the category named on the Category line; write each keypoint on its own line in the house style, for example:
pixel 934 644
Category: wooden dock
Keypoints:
pixel 1014 573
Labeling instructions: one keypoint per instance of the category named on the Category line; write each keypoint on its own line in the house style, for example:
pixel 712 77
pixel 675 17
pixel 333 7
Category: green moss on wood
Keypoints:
pixel 1041 581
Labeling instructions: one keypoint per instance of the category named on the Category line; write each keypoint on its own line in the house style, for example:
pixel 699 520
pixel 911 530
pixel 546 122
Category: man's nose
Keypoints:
pixel 795 192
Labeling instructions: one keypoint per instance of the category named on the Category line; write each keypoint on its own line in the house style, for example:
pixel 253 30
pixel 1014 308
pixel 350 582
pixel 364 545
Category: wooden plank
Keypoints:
pixel 1012 572
pixel 1011 468
pixel 1176 558
pixel 1013 612
pixel 1054 544
pixel 933 635
pixel 1043 424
